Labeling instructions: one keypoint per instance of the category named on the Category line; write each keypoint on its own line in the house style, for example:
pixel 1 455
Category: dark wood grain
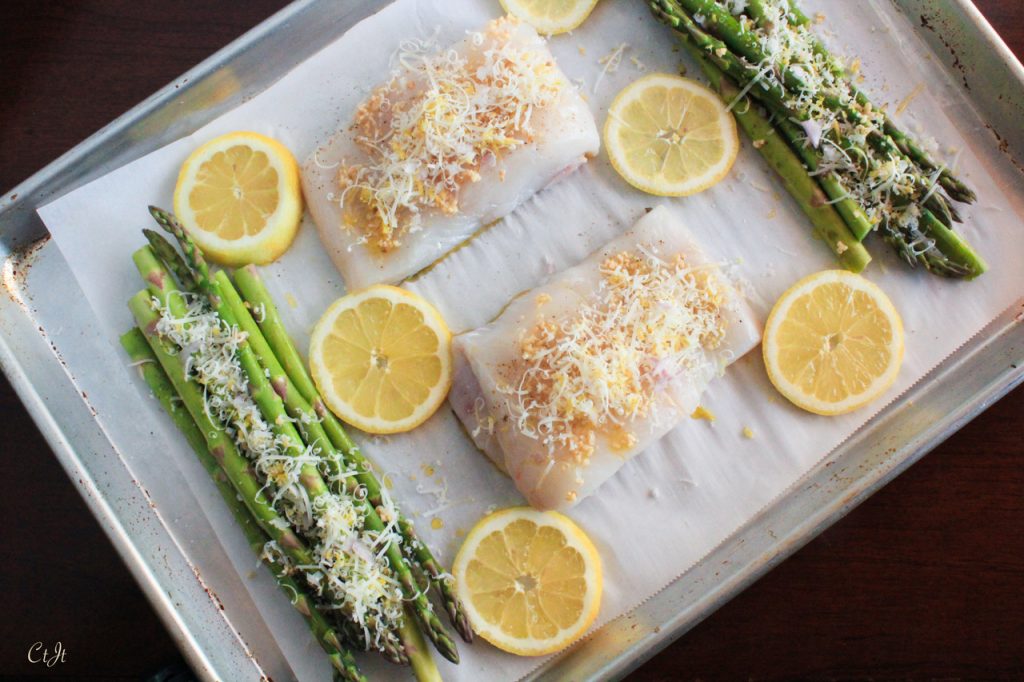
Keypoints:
pixel 923 581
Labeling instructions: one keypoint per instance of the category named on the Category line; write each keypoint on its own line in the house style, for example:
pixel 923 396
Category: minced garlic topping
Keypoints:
pixel 441 118
pixel 593 374
pixel 350 572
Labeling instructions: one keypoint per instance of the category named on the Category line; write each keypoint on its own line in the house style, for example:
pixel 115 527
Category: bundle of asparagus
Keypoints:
pixel 306 498
pixel 841 157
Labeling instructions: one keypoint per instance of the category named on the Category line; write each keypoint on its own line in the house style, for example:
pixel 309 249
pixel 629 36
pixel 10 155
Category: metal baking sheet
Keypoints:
pixel 48 346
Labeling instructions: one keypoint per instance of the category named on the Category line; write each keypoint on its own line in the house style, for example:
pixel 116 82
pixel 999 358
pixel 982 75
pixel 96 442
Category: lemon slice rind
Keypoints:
pixel 550 17
pixel 618 126
pixel 780 313
pixel 279 227
pixel 575 538
pixel 343 406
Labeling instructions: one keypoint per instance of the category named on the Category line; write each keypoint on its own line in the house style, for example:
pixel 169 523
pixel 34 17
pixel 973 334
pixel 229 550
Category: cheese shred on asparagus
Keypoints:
pixel 350 571
pixel 886 185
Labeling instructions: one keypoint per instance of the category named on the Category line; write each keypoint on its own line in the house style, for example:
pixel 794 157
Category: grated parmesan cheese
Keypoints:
pixel 602 368
pixel 439 119
pixel 610 63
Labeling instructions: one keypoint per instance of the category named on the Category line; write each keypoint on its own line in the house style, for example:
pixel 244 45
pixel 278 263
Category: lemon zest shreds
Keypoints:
pixel 440 118
pixel 703 413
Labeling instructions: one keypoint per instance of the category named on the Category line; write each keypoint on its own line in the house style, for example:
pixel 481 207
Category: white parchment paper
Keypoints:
pixel 701 482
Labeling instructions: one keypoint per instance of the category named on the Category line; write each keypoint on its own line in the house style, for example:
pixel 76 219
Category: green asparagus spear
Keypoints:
pixel 942 210
pixel 300 410
pixel 232 463
pixel 826 221
pixel 721 23
pixel 235 466
pixel 419 656
pixel 221 447
pixel 717 52
pixel 135 344
pixel 895 139
pixel 735 50
pixel 906 145
pixel 842 239
pixel 949 182
pixel 751 78
pixel 170 257
pixel 269 319
pixel 941 252
pixel 849 209
pixel 959 259
pixel 273 410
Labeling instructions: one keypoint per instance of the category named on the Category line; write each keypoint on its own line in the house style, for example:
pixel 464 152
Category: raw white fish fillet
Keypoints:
pixel 562 136
pixel 488 362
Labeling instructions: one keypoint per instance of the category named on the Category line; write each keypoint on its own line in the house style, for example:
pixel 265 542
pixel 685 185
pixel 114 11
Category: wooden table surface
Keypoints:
pixel 924 581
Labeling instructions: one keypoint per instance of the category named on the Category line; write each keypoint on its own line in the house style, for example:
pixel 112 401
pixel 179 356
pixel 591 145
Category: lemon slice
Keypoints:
pixel 238 196
pixel 382 359
pixel 550 16
pixel 530 580
pixel 833 342
pixel 670 136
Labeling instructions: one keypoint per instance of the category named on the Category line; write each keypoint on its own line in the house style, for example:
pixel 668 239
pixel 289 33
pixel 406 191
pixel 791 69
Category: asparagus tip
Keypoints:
pixel 462 626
